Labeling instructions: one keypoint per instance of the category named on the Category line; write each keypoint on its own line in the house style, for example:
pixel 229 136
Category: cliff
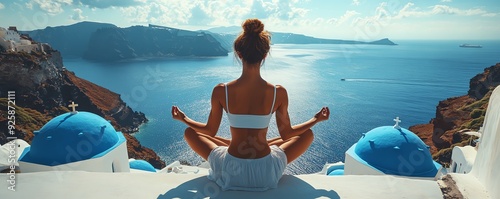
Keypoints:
pixel 111 44
pixel 107 42
pixel 457 115
pixel 384 41
pixel 44 88
pixel 71 40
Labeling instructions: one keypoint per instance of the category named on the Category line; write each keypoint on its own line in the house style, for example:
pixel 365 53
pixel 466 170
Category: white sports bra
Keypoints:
pixel 249 121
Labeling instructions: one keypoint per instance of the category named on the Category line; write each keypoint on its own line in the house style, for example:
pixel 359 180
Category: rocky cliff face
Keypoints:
pixel 111 44
pixel 71 40
pixel 457 115
pixel 44 89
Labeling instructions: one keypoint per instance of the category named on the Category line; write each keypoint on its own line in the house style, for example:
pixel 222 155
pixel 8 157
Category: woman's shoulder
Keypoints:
pixel 281 91
pixel 220 85
pixel 224 84
pixel 280 88
pixel 218 89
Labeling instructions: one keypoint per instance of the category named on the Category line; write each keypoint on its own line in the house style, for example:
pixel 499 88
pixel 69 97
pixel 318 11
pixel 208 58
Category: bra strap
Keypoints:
pixel 227 105
pixel 274 100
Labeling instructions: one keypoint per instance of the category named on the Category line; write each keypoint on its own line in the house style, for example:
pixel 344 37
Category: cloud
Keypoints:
pixel 443 9
pixel 199 17
pixel 160 12
pixel 490 15
pixel 289 15
pixel 223 15
pixel 52 7
pixel 381 16
pixel 383 20
pixel 347 15
pixel 446 1
pixel 77 15
pixel 1 6
pixel 381 11
pixel 278 10
pixel 137 14
pixel 213 13
pixel 286 10
pixel 29 5
pixel 261 10
pixel 409 11
pixel 355 2
pixel 111 3
pixel 332 21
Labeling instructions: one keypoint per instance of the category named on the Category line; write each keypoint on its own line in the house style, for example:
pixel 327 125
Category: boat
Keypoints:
pixel 470 46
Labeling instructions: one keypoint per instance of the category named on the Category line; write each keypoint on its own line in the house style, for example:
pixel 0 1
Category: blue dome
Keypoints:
pixel 396 152
pixel 71 137
pixel 336 172
pixel 141 165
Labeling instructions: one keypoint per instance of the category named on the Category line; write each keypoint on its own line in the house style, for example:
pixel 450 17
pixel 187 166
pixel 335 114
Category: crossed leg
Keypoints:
pixel 203 144
pixel 294 146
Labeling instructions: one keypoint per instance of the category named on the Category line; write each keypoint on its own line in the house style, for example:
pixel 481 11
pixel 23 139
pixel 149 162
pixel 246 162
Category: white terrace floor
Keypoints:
pixel 80 184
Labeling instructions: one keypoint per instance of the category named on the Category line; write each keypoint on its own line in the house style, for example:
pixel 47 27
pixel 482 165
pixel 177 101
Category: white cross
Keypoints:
pixel 73 106
pixel 397 120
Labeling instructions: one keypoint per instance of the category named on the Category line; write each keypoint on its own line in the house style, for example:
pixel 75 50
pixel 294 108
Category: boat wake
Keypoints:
pixel 414 82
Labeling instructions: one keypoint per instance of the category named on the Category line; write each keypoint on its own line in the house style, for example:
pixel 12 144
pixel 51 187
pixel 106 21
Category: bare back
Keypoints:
pixel 250 98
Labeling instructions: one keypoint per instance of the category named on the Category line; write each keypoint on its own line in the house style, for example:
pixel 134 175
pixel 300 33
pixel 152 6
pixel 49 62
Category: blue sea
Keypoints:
pixel 379 84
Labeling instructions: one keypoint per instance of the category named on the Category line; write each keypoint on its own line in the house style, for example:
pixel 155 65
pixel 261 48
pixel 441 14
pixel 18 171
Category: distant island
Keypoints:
pixel 107 42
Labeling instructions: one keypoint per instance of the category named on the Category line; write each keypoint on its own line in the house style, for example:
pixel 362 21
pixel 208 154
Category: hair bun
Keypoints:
pixel 253 26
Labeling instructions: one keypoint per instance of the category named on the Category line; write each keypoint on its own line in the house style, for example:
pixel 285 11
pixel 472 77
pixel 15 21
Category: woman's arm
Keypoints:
pixel 285 128
pixel 212 126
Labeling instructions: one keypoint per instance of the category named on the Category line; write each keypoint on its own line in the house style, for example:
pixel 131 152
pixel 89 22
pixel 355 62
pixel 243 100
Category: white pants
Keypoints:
pixel 232 173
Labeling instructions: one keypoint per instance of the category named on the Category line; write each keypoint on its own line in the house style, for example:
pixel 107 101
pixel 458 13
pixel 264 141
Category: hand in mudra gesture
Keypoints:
pixel 177 113
pixel 323 114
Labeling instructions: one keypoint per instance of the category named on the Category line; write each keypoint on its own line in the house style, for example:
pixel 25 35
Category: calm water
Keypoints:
pixel 381 83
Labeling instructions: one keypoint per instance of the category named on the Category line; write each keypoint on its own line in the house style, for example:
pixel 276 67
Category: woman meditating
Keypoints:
pixel 248 161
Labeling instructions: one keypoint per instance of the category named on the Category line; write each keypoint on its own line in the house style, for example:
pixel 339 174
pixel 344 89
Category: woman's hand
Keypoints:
pixel 323 114
pixel 177 113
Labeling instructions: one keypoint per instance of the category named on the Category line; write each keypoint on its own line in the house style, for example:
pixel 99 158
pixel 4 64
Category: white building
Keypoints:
pixel 481 166
pixel 12 41
pixel 76 141
pixel 9 152
pixel 4 42
pixel 462 159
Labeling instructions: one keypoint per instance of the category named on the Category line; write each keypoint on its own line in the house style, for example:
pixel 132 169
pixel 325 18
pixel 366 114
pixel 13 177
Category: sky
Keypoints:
pixel 339 19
